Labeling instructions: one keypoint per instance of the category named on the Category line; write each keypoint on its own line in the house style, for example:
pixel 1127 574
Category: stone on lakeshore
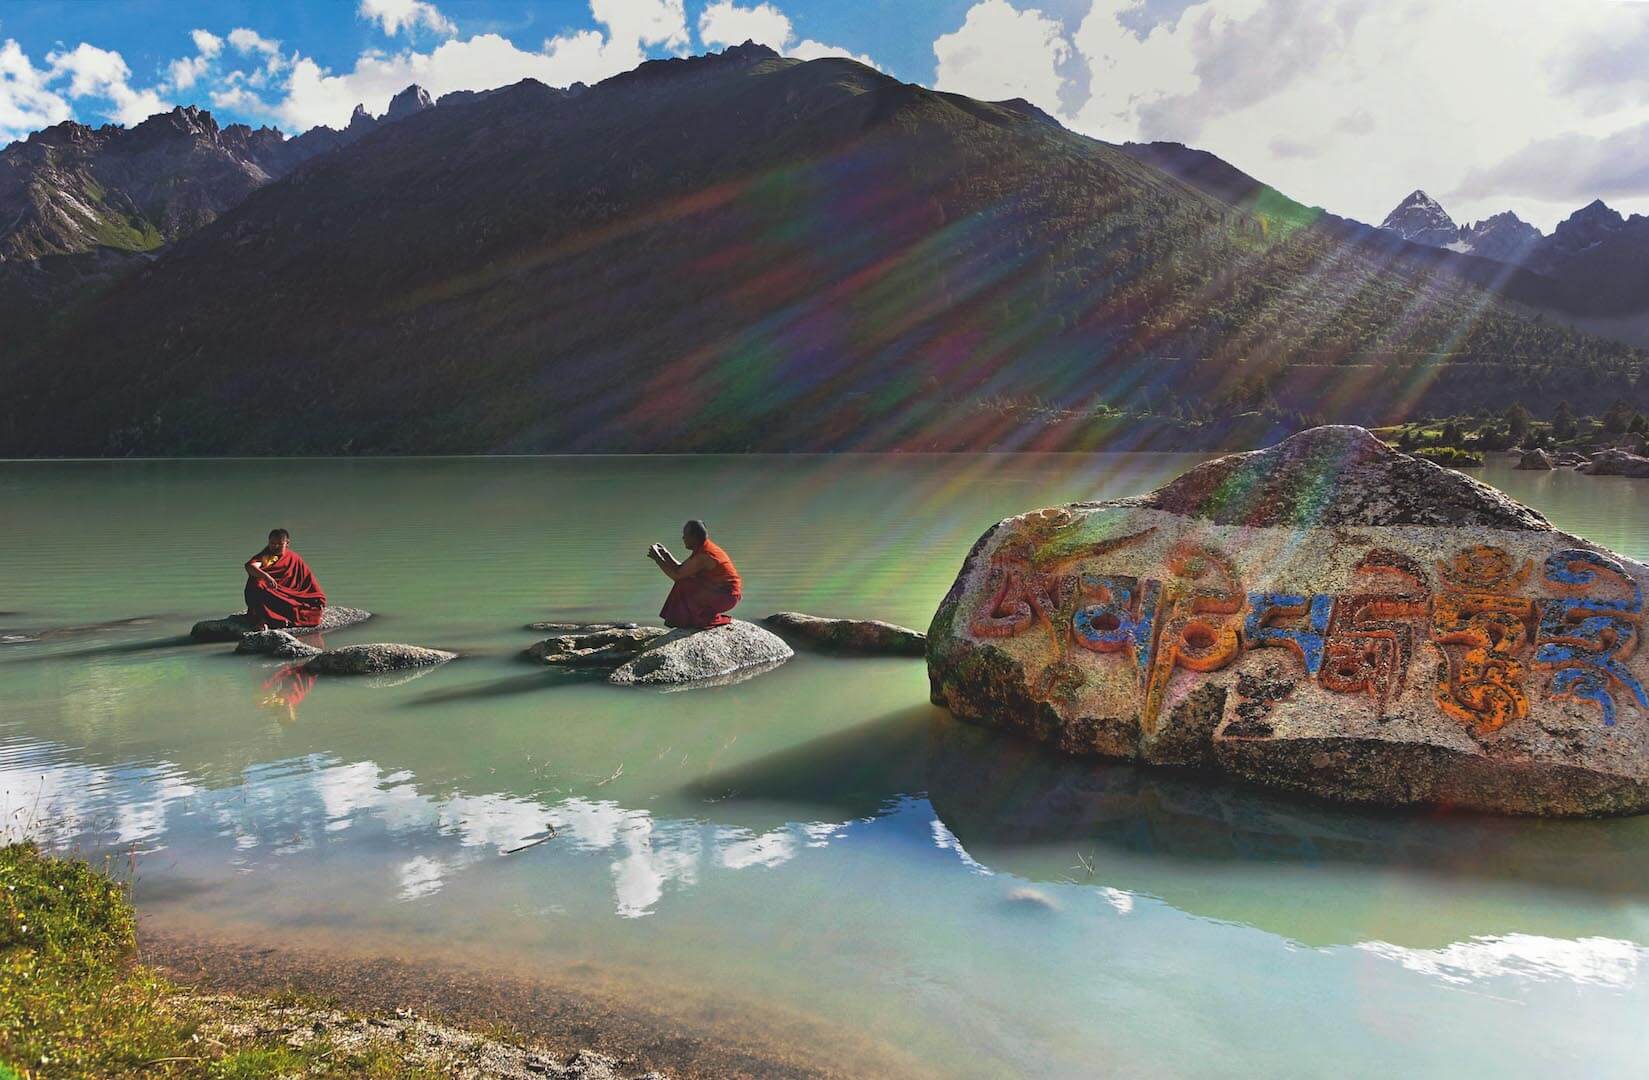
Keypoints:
pixel 376 659
pixel 233 627
pixel 1327 616
pixel 1569 458
pixel 595 645
pixel 1534 461
pixel 690 656
pixel 1616 463
pixel 850 635
pixel 276 643
pixel 579 628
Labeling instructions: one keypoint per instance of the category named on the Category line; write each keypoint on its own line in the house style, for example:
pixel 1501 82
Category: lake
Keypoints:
pixel 814 864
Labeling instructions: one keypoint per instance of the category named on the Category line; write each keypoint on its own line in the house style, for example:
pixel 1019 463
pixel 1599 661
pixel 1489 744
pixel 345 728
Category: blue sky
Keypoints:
pixel 1532 105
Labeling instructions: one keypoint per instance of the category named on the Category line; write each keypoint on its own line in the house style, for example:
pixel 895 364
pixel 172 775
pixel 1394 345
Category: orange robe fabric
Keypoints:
pixel 704 599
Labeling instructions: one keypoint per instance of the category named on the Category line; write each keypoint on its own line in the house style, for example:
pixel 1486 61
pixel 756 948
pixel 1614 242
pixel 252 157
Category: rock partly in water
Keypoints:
pixel 593 645
pixel 580 627
pixel 1566 459
pixel 376 659
pixel 850 635
pixel 1326 616
pixel 690 656
pixel 1616 463
pixel 232 627
pixel 276 643
pixel 1534 461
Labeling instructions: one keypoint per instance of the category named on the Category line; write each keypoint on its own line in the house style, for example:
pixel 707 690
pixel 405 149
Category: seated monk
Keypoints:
pixel 706 585
pixel 280 590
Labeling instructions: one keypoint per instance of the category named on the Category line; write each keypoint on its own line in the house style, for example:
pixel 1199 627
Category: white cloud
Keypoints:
pixel 95 72
pixel 1002 52
pixel 725 23
pixel 253 44
pixel 1386 97
pixel 185 71
pixel 26 104
pixel 483 62
pixel 397 15
pixel 207 43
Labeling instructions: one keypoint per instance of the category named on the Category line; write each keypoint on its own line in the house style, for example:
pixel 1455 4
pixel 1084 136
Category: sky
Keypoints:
pixel 1536 106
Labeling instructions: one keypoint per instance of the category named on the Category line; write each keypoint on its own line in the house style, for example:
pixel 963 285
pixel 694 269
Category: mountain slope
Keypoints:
pixel 741 251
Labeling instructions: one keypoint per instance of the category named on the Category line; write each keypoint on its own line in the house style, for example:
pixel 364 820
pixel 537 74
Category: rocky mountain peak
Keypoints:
pixel 1421 219
pixel 360 118
pixel 414 99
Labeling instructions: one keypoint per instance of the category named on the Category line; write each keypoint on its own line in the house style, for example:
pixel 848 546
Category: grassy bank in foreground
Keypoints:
pixel 74 1002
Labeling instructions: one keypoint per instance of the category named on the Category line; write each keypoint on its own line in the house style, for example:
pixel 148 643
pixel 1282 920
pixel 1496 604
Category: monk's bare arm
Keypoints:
pixel 256 572
pixel 673 570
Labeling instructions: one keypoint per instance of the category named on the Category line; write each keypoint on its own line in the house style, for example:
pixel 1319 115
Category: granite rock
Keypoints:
pixel 276 643
pixel 233 627
pixel 375 659
pixel 690 656
pixel 850 635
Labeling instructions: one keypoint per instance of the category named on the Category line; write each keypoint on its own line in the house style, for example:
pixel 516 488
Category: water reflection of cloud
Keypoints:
pixel 285 807
pixel 1593 961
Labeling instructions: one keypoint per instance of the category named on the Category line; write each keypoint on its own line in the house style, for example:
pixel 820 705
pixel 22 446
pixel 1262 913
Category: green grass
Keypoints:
pixel 74 1002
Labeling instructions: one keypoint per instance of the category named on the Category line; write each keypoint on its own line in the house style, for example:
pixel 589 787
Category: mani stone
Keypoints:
pixel 850 635
pixel 375 659
pixel 277 643
pixel 1326 616
pixel 593 645
pixel 1534 461
pixel 691 656
pixel 234 627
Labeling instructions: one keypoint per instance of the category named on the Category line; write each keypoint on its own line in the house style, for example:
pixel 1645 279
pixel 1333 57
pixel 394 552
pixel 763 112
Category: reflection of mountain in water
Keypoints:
pixel 1206 847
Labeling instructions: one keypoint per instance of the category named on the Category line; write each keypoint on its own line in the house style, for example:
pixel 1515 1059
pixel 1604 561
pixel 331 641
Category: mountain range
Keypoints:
pixel 1598 256
pixel 728 252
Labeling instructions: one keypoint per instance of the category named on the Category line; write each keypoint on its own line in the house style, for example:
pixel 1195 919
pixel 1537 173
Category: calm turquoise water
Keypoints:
pixel 816 855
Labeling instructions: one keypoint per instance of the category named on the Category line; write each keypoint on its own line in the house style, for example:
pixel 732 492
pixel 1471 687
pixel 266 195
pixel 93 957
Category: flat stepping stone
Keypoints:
pixel 580 627
pixel 276 643
pixel 691 656
pixel 376 659
pixel 850 635
pixel 234 627
pixel 604 646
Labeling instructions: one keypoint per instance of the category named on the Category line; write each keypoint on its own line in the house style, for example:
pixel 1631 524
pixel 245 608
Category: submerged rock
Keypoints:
pixel 689 656
pixel 277 643
pixel 232 627
pixel 850 635
pixel 1326 616
pixel 1534 461
pixel 594 645
pixel 1616 463
pixel 376 659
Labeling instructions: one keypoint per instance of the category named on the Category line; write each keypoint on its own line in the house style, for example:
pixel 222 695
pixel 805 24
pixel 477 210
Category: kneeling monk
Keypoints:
pixel 280 590
pixel 706 585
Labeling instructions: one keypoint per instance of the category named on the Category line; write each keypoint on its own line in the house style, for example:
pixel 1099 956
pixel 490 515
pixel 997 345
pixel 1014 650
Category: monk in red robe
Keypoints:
pixel 280 590
pixel 706 585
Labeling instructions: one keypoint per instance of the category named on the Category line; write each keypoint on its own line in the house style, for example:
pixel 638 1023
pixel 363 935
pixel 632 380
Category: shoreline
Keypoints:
pixel 566 1021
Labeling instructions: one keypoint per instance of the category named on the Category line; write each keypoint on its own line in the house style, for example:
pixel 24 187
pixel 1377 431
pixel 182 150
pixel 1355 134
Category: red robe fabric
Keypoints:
pixel 703 600
pixel 295 599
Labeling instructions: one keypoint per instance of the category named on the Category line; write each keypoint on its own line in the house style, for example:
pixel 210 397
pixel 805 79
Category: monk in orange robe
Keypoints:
pixel 706 585
pixel 280 590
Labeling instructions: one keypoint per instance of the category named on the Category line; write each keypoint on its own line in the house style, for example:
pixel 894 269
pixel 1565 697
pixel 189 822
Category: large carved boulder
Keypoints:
pixel 1326 616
